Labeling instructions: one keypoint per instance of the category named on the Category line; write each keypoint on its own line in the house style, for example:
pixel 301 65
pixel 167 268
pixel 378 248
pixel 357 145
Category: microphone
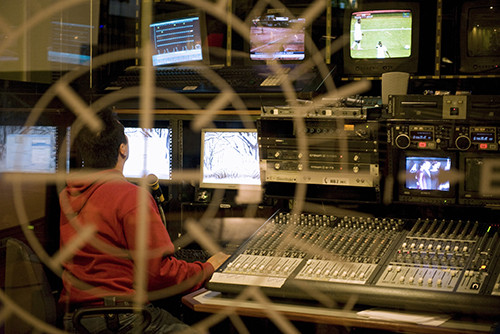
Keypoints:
pixel 154 183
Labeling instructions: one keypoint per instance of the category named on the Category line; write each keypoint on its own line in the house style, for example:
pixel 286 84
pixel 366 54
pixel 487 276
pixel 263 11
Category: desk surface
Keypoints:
pixel 212 302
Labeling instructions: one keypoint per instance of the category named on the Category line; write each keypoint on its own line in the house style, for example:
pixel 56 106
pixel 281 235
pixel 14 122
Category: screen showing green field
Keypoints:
pixel 380 34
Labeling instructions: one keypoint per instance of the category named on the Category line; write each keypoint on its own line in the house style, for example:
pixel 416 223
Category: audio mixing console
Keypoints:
pixel 442 265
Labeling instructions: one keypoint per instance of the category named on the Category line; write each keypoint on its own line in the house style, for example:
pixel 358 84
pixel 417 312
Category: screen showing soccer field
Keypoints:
pixel 380 34
pixel 274 37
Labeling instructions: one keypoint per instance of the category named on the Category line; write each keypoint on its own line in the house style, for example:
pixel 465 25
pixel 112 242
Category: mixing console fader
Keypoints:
pixel 449 265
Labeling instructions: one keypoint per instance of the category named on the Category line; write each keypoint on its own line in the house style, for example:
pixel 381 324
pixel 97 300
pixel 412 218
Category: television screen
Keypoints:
pixel 277 38
pixel 480 37
pixel 30 150
pixel 383 37
pixel 229 158
pixel 378 34
pixel 428 173
pixel 149 153
pixel 178 39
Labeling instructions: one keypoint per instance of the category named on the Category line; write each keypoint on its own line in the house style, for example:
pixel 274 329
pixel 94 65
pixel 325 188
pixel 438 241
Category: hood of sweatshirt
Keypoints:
pixel 80 186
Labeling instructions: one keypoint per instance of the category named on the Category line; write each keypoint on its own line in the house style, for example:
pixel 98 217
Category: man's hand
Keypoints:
pixel 217 259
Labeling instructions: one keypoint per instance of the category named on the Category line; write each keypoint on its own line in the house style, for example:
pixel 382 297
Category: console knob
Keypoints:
pixel 402 141
pixel 462 143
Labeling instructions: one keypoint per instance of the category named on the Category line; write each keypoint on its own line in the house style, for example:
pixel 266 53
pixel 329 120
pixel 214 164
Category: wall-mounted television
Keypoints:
pixel 150 152
pixel 427 177
pixel 480 37
pixel 179 37
pixel 383 37
pixel 278 36
pixel 229 158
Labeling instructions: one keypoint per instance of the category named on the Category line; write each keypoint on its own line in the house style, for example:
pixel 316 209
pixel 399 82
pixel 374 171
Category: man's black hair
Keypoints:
pixel 99 150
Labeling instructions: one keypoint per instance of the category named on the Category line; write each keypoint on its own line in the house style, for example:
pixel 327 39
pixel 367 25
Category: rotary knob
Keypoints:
pixel 402 141
pixel 462 143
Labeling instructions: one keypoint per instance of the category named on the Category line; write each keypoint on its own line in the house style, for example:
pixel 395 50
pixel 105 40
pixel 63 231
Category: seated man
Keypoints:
pixel 100 198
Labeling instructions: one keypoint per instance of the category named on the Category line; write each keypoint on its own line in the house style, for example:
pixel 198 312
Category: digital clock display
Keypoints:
pixel 421 135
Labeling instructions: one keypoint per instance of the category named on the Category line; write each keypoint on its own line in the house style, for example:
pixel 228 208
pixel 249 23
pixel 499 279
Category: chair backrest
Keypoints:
pixel 27 284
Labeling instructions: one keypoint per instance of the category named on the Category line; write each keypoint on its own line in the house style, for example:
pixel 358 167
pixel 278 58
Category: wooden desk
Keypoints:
pixel 212 302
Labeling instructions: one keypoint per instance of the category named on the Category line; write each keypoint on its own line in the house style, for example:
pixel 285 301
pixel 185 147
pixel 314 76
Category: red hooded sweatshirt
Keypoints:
pixel 104 264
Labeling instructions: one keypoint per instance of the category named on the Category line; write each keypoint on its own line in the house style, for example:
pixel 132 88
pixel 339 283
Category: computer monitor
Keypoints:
pixel 229 159
pixel 55 45
pixel 480 37
pixel 150 152
pixel 383 37
pixel 277 37
pixel 178 38
pixel 28 149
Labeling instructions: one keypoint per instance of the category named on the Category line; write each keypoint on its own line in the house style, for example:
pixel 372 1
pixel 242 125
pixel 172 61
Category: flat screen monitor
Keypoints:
pixel 427 177
pixel 150 152
pixel 479 185
pixel 382 38
pixel 56 44
pixel 179 38
pixel 229 158
pixel 277 37
pixel 480 37
pixel 28 149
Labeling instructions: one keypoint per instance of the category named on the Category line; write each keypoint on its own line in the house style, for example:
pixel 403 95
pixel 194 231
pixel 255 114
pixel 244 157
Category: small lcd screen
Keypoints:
pixel 149 153
pixel 31 150
pixel 277 37
pixel 421 135
pixel 379 34
pixel 482 137
pixel 428 173
pixel 230 157
pixel 176 41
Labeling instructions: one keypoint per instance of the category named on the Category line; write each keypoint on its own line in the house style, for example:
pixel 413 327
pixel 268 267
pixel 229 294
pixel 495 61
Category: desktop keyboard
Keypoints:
pixel 197 78
pixel 192 255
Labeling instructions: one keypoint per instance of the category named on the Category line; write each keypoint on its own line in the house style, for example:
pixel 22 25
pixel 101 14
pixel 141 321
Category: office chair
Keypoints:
pixel 27 284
